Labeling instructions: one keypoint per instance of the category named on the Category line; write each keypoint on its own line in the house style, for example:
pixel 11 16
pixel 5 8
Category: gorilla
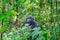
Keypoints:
pixel 32 23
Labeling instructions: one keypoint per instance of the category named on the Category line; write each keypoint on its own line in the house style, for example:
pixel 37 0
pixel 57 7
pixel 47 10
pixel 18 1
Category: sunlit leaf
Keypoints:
pixel 29 6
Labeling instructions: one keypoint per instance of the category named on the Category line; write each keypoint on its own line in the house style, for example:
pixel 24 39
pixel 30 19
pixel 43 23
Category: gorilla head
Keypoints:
pixel 29 19
pixel 32 23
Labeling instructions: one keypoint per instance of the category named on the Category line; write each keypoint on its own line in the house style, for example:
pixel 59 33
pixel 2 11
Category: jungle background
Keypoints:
pixel 13 13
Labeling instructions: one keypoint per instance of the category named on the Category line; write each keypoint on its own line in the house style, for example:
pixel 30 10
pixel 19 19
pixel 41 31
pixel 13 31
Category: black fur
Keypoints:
pixel 32 23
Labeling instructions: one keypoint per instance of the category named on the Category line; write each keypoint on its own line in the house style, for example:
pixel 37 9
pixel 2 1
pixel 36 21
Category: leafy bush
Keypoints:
pixel 45 12
pixel 16 34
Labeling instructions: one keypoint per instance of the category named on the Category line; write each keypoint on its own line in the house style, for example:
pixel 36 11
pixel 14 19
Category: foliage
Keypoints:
pixel 23 34
pixel 16 34
pixel 14 12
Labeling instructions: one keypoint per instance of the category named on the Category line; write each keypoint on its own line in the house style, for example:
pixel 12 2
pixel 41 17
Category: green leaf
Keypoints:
pixel 35 33
pixel 7 12
pixel 29 6
pixel 4 28
pixel 44 17
pixel 2 16
pixel 5 1
pixel 20 2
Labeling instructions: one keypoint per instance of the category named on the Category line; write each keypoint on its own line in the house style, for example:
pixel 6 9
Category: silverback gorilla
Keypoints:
pixel 32 23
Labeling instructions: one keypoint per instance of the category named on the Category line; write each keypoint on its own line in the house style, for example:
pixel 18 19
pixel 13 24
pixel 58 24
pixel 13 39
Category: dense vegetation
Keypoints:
pixel 13 13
